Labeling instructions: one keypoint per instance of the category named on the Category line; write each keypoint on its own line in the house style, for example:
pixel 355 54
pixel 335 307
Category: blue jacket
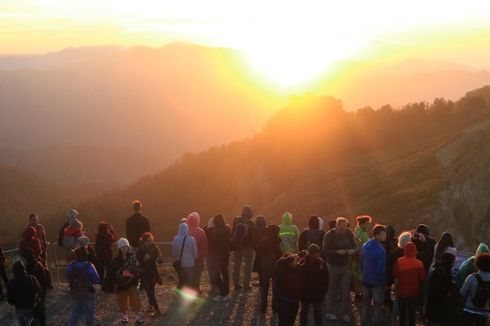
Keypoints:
pixel 373 263
pixel 93 276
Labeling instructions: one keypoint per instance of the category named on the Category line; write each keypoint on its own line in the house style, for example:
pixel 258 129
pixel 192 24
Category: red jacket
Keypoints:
pixel 409 272
pixel 30 240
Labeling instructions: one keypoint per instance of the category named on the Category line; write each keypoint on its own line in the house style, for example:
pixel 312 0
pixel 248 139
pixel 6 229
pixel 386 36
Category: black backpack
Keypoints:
pixel 482 293
pixel 79 282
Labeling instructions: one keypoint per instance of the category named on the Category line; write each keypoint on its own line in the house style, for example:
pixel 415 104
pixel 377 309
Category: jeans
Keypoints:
pixel 288 309
pixel 83 307
pixel 246 254
pixel 26 317
pixel 149 287
pixel 317 313
pixel 265 280
pixel 407 309
pixel 221 277
pixel 377 295
pixel 474 319
pixel 339 280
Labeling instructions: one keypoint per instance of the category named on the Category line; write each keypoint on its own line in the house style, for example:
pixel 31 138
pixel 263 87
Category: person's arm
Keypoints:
pixel 465 290
pixel 93 274
pixel 148 228
pixel 204 245
pixel 302 240
pixel 327 245
pixel 194 248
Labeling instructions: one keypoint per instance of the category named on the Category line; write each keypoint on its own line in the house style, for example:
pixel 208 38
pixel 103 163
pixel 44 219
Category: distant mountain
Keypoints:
pixel 424 163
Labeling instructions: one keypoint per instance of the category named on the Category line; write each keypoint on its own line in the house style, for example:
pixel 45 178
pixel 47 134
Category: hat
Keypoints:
pixel 83 241
pixel 313 248
pixel 123 242
pixel 71 214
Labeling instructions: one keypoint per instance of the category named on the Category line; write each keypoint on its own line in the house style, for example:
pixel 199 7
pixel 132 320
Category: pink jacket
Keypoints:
pixel 198 233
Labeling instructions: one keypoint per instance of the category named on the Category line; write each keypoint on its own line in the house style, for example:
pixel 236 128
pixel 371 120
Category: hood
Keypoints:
pixel 71 214
pixel 19 269
pixel 183 229
pixel 219 221
pixel 103 227
pixel 260 222
pixel 247 212
pixel 410 250
pixel 83 241
pixel 314 222
pixel 123 242
pixel 482 248
pixel 193 219
pixel 287 218
pixel 29 232
pixel 390 232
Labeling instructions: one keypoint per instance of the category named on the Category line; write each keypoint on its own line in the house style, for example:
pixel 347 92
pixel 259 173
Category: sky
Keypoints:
pixel 306 37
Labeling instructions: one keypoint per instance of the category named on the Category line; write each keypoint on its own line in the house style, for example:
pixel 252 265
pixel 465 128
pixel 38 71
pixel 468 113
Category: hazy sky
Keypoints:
pixel 305 36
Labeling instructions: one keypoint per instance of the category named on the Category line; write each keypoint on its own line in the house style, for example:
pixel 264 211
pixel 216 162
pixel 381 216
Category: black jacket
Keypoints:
pixel 24 291
pixel 136 225
pixel 315 280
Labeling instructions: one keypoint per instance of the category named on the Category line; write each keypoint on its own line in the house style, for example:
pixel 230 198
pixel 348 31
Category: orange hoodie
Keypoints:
pixel 409 272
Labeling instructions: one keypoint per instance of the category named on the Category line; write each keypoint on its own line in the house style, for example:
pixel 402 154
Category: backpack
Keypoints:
pixel 482 293
pixel 79 282
pixel 314 236
pixel 239 234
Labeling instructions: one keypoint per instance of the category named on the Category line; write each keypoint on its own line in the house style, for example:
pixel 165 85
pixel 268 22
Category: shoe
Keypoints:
pixel 346 318
pixel 125 319
pixel 331 317
pixel 139 320
pixel 225 298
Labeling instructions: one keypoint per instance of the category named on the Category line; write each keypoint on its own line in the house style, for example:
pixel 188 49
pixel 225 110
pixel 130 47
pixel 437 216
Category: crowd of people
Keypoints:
pixel 396 278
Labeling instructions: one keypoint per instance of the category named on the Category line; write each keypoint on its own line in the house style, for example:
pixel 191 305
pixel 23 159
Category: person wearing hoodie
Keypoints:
pixel 70 215
pixel 136 225
pixel 71 234
pixel 83 295
pixel 409 273
pixel 125 273
pixel 195 231
pixel 339 245
pixel 30 240
pixel 315 284
pixel 425 245
pixel 289 287
pixel 268 252
pixel 243 235
pixel 219 250
pixel 184 250
pixel 35 268
pixel 104 240
pixel 362 231
pixel 147 255
pixel 24 292
pixel 41 235
pixel 3 275
pixel 476 293
pixel 468 266
pixel 373 267
pixel 313 234
pixel 445 244
pixel 260 232
pixel 211 260
pixel 289 234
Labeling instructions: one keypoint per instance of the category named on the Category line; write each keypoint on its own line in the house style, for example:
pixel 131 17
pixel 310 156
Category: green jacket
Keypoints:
pixel 289 234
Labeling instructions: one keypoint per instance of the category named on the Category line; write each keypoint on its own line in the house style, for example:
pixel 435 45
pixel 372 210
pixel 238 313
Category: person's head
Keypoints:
pixel 482 262
pixel 33 219
pixel 482 248
pixel 137 205
pixel 261 222
pixel 219 221
pixel 146 239
pixel 390 233
pixel 103 228
pixel 81 253
pixel 183 229
pixel 314 251
pixel 314 222
pixel 447 260
pixel 193 219
pixel 404 238
pixel 123 246
pixel 332 224
pixel 287 218
pixel 424 229
pixel 341 224
pixel 247 212
pixel 364 220
pixel 446 241
pixel 83 241
pixel 71 214
pixel 410 250
pixel 272 231
pixel 379 232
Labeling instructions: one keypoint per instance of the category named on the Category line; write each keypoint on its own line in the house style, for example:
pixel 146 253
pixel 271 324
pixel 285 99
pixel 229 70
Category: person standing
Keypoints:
pixel 3 275
pixel 147 256
pixel 313 234
pixel 70 215
pixel 104 240
pixel 373 267
pixel 289 234
pixel 425 245
pixel 195 231
pixel 219 248
pixel 468 266
pixel 339 245
pixel 476 293
pixel 409 273
pixel 24 292
pixel 289 287
pixel 136 225
pixel 243 234
pixel 71 234
pixel 35 268
pixel 184 253
pixel 82 276
pixel 41 235
pixel 30 241
pixel 362 232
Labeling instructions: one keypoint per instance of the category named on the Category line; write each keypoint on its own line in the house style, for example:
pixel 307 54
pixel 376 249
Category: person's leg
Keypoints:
pixel 225 275
pixel 367 296
pixel 237 266
pixel 345 307
pixel 3 276
pixel 378 299
pixel 333 288
pixel 134 300
pixel 25 317
pixel 402 311
pixel 275 296
pixel 198 269
pixel 89 307
pixel 76 312
pixel 293 312
pixel 411 311
pixel 281 312
pixel 264 291
pixel 122 301
pixel 303 314
pixel 317 313
pixel 150 292
pixel 249 258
